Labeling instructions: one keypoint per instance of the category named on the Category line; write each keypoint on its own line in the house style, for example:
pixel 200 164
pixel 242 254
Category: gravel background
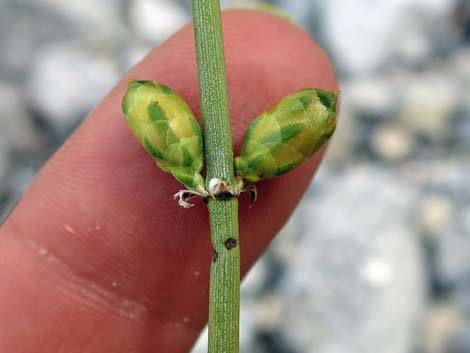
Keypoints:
pixel 391 272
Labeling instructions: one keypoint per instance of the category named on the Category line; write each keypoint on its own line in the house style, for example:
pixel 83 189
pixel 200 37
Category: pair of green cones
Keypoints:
pixel 279 139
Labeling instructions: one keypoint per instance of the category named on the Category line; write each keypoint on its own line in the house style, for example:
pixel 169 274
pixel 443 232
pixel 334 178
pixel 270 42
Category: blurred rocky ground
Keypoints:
pixel 377 256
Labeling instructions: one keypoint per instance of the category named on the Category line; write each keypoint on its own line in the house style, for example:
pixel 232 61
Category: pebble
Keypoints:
pixel 435 214
pixel 428 102
pixel 392 142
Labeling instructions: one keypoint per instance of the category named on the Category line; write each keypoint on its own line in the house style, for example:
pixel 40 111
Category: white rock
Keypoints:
pixel 392 142
pixel 156 20
pixel 95 21
pixel 377 96
pixel 377 271
pixel 66 82
pixel 427 103
pixel 363 35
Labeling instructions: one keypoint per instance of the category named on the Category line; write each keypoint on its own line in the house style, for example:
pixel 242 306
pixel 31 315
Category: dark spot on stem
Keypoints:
pixel 230 243
pixel 215 256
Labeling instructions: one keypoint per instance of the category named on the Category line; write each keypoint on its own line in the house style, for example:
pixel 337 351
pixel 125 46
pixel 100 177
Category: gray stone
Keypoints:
pixel 454 251
pixel 444 214
pixel 18 140
pixel 460 63
pixel 4 164
pixel 355 283
pixel 461 136
pixel 461 295
pixel 25 25
pixel 17 179
pixel 16 129
pixel 447 174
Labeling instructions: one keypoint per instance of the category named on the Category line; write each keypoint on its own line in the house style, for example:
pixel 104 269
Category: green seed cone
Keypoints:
pixel 286 134
pixel 164 124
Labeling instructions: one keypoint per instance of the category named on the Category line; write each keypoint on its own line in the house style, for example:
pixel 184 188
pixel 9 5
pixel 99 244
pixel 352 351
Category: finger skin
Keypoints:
pixel 97 256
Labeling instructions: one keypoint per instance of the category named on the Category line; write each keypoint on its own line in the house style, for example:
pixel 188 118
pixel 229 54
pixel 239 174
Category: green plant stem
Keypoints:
pixel 224 301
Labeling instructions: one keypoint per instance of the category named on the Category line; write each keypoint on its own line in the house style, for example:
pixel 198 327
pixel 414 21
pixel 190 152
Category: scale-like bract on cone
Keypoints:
pixel 165 125
pixel 286 134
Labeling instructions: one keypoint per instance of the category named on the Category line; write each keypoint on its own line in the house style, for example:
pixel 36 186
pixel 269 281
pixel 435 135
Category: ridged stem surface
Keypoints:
pixel 224 300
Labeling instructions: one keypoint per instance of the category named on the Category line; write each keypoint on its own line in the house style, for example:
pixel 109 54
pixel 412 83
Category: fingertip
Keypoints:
pixel 126 227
